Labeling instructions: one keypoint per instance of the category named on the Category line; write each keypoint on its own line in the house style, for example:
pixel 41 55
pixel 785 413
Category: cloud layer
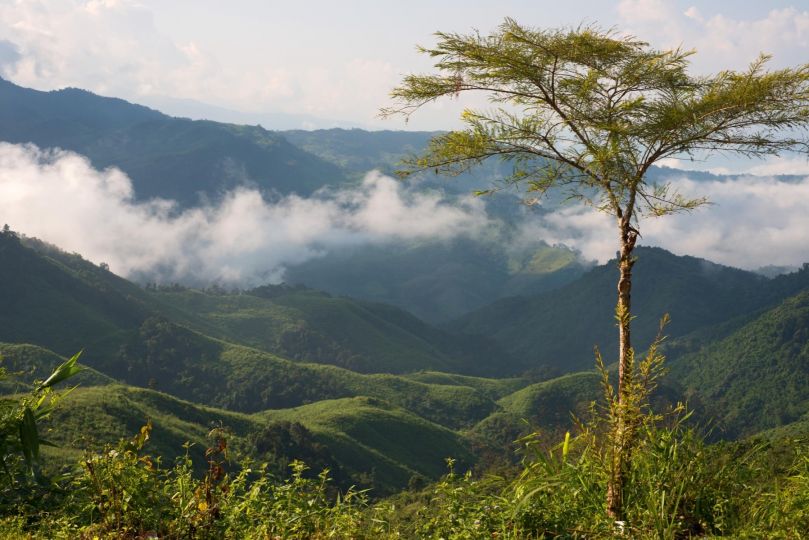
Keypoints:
pixel 244 240
pixel 751 222
pixel 59 197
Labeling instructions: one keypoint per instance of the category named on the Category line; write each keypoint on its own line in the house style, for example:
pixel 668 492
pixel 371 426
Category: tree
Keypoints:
pixel 589 112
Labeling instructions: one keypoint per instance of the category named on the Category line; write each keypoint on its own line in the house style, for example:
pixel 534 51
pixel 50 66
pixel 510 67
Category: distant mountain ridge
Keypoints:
pixel 188 161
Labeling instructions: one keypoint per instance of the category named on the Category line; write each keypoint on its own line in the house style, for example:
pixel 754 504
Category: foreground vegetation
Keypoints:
pixel 677 487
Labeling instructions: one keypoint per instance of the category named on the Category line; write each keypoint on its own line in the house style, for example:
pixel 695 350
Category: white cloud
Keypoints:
pixel 781 165
pixel 791 164
pixel 753 222
pixel 688 165
pixel 578 227
pixel 693 13
pixel 647 11
pixel 721 40
pixel 57 196
pixel 106 46
pixel 117 48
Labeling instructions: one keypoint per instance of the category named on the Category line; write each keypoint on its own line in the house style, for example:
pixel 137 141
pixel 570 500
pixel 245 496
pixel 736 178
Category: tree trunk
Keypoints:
pixel 620 443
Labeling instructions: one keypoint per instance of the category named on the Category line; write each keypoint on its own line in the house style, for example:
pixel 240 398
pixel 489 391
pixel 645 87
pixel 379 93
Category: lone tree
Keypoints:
pixel 589 112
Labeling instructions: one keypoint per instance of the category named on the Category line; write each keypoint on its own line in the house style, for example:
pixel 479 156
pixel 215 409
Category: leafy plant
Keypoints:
pixel 121 490
pixel 23 482
pixel 463 508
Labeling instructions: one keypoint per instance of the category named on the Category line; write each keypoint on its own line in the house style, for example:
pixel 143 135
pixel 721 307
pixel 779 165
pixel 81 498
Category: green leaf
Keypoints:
pixel 566 445
pixel 64 371
pixel 45 442
pixel 29 438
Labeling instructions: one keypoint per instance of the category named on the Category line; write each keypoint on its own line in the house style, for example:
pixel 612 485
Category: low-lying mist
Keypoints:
pixel 749 222
pixel 245 239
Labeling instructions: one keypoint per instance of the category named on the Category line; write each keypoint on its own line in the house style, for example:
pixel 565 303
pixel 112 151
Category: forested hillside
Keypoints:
pixel 757 377
pixel 111 317
pixel 173 158
pixel 559 328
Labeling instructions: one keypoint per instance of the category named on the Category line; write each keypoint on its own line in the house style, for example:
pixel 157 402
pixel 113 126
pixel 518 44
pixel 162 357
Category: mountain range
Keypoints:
pixel 179 159
pixel 389 357
pixel 189 358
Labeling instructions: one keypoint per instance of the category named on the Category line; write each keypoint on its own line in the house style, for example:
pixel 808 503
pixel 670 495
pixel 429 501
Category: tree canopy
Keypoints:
pixel 590 111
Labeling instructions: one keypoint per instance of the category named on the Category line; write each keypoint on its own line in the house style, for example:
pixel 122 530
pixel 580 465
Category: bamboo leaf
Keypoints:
pixel 29 438
pixel 64 371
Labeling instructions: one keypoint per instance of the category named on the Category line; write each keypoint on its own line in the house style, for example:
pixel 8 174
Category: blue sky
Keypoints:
pixel 316 63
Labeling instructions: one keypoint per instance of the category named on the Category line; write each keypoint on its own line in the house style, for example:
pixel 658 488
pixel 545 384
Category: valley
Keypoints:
pixel 379 359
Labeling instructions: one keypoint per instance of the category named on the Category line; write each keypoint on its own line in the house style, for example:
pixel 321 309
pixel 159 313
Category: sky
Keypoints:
pixel 316 63
pixel 319 63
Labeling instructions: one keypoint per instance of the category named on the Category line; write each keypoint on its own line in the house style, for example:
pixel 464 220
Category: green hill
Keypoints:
pixel 125 329
pixel 366 437
pixel 440 280
pixel 550 402
pixel 63 302
pixel 799 429
pixel 94 416
pixel 166 157
pixel 308 325
pixel 559 328
pixel 755 378
pixel 250 380
pixel 26 363
pixel 369 434
pixel 545 407
pixel 492 388
pixel 172 359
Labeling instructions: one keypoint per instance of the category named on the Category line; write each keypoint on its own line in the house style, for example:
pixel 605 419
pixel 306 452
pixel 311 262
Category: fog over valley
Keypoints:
pixel 246 239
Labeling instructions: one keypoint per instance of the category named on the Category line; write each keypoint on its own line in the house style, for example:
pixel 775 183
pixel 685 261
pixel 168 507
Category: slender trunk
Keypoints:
pixel 620 442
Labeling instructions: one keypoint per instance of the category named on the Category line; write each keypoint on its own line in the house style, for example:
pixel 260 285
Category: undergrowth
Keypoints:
pixel 677 487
